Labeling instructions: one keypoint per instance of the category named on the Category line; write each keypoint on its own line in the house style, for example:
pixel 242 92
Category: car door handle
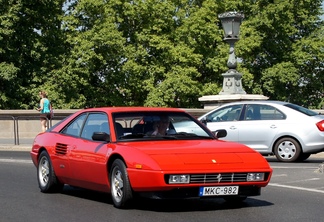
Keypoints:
pixel 232 128
pixel 273 126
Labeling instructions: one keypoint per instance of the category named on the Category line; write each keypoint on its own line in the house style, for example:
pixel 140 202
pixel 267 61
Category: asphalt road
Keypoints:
pixel 295 193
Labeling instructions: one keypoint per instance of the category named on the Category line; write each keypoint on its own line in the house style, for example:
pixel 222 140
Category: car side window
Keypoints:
pixel 95 122
pixel 228 113
pixel 271 113
pixel 75 127
pixel 252 112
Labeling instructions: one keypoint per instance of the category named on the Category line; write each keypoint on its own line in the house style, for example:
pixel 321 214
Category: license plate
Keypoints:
pixel 217 191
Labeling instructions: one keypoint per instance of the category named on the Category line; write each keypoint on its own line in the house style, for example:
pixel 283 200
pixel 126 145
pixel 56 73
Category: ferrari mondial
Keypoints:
pixel 134 152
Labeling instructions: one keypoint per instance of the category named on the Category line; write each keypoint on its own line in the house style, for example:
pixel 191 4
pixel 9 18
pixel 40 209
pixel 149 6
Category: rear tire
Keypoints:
pixel 121 191
pixel 287 149
pixel 46 177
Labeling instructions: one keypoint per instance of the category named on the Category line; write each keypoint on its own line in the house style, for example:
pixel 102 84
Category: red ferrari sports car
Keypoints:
pixel 137 151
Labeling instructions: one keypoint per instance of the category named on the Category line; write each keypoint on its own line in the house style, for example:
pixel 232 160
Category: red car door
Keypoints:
pixel 88 164
pixel 87 157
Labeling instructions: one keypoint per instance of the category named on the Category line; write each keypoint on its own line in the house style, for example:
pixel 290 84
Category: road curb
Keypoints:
pixel 15 147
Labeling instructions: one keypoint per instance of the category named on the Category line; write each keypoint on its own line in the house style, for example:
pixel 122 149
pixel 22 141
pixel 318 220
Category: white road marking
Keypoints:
pixel 15 161
pixel 296 181
pixel 292 167
pixel 296 188
pixel 279 175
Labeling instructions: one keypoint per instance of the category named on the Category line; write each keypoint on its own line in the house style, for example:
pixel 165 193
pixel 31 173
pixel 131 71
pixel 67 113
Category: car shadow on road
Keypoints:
pixel 167 205
pixel 87 194
pixel 197 205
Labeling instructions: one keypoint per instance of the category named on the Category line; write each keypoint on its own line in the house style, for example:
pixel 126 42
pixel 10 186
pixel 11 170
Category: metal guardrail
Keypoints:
pixel 4 117
pixel 16 123
pixel 17 118
pixel 17 115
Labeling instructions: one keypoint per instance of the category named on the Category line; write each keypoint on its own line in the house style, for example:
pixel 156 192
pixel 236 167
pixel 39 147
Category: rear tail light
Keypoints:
pixel 320 125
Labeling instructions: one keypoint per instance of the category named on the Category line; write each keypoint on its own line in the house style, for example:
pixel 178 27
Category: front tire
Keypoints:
pixel 121 191
pixel 46 177
pixel 287 149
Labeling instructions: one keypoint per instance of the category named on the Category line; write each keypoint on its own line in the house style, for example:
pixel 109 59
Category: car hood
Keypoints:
pixel 197 155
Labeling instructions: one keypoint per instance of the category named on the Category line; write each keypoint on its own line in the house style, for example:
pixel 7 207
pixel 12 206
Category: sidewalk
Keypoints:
pixel 25 144
pixel 23 147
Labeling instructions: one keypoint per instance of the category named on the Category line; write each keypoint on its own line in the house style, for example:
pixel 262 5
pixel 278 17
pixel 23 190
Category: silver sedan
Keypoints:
pixel 290 132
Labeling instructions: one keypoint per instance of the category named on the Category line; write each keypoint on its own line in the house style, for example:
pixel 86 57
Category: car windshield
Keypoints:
pixel 157 126
pixel 302 109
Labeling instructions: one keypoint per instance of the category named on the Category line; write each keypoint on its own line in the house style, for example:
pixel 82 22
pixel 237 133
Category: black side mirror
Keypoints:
pixel 204 121
pixel 220 133
pixel 101 136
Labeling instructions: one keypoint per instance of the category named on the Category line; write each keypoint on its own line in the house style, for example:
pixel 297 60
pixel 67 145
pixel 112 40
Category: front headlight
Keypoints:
pixel 255 177
pixel 185 178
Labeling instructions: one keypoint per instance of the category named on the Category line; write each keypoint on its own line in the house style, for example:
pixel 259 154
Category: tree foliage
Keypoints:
pixel 30 45
pixel 156 52
pixel 282 51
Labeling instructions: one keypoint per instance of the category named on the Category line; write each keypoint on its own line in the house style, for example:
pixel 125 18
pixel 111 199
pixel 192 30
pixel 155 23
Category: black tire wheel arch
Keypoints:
pixel 287 149
pixel 47 180
pixel 120 188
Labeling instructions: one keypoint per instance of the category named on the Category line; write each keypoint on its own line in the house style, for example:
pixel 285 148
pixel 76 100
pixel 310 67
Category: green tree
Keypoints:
pixel 282 49
pixel 153 53
pixel 30 45
pixel 169 53
pixel 156 53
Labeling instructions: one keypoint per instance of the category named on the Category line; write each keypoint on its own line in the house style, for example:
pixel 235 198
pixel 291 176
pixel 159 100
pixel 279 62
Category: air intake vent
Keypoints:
pixel 218 178
pixel 61 149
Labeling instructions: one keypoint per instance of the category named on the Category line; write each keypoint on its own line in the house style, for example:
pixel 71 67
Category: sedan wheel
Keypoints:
pixel 47 180
pixel 287 149
pixel 121 191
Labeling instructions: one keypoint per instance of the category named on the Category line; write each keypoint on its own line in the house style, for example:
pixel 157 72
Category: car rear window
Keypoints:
pixel 301 109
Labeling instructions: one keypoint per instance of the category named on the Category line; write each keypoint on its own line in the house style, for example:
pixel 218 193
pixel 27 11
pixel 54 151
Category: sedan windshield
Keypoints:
pixel 158 125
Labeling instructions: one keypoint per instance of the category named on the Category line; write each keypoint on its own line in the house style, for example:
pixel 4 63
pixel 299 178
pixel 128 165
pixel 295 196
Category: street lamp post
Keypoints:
pixel 232 90
pixel 232 83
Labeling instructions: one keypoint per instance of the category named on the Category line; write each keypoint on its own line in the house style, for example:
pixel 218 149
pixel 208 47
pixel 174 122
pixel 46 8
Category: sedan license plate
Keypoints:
pixel 217 191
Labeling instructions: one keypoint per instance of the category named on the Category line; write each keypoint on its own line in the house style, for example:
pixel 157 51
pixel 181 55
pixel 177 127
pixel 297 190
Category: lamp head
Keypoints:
pixel 231 22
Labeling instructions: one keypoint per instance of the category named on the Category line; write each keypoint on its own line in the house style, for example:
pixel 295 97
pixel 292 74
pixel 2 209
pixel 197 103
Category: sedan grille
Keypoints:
pixel 61 148
pixel 218 178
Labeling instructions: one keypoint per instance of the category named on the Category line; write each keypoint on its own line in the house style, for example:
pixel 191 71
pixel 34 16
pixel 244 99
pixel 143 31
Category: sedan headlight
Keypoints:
pixel 184 178
pixel 255 177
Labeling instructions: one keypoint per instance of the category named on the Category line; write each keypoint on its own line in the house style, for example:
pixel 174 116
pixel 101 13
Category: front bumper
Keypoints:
pixel 188 193
pixel 152 181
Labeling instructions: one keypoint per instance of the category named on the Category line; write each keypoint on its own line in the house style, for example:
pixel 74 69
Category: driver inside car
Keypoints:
pixel 160 128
